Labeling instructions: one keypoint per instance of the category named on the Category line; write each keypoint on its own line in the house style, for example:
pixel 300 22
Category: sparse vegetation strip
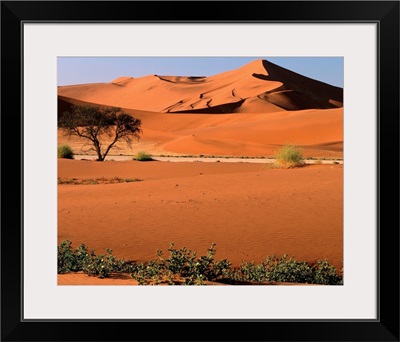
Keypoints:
pixel 94 181
pixel 184 267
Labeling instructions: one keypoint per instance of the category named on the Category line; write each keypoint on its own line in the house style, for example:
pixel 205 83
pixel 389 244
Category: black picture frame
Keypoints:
pixel 15 328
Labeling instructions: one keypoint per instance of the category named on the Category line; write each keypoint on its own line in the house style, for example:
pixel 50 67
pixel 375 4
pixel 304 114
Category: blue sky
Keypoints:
pixel 79 70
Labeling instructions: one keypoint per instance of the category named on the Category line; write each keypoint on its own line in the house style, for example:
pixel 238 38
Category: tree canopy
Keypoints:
pixel 103 127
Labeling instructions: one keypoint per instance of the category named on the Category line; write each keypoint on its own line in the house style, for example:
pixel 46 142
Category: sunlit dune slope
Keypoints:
pixel 320 132
pixel 257 86
pixel 247 111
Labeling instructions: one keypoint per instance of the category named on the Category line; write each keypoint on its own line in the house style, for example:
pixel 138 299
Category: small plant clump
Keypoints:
pixel 184 267
pixel 64 151
pixel 81 259
pixel 286 269
pixel 289 156
pixel 143 156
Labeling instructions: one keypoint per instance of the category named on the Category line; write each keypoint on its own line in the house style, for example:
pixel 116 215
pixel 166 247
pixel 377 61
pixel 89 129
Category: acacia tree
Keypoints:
pixel 96 123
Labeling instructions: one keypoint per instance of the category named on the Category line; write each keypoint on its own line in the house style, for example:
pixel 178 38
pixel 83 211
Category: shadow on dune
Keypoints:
pixel 298 92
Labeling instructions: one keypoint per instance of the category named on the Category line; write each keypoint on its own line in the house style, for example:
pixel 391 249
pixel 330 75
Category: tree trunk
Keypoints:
pixel 98 151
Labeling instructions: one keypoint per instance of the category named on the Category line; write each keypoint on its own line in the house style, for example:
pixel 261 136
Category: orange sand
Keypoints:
pixel 248 210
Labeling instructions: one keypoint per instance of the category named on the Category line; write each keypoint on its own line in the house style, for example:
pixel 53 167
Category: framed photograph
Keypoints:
pixel 238 149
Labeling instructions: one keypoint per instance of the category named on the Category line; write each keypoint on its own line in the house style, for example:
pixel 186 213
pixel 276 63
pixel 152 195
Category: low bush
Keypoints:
pixel 183 267
pixel 183 263
pixel 143 156
pixel 286 269
pixel 289 156
pixel 81 259
pixel 101 265
pixel 64 151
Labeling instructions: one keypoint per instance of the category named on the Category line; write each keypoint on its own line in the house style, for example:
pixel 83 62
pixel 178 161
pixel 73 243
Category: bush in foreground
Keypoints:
pixel 81 259
pixel 183 267
pixel 64 151
pixel 285 269
pixel 289 156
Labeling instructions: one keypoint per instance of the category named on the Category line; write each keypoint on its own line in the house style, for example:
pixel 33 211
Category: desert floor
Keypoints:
pixel 249 210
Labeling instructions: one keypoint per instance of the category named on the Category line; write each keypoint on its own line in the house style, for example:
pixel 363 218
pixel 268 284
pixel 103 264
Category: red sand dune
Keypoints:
pixel 266 85
pixel 247 111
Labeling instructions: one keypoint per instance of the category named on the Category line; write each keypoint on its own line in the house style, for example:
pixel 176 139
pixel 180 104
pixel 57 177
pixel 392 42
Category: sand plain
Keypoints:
pixel 248 210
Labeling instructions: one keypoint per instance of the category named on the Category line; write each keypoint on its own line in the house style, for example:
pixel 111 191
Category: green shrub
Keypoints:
pixel 143 156
pixel 326 274
pixel 183 262
pixel 65 257
pixel 70 260
pixel 64 151
pixel 286 269
pixel 100 265
pixel 289 156
pixel 81 259
pixel 183 267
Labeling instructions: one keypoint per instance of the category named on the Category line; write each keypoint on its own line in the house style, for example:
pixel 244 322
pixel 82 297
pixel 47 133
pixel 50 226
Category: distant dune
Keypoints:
pixel 247 111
